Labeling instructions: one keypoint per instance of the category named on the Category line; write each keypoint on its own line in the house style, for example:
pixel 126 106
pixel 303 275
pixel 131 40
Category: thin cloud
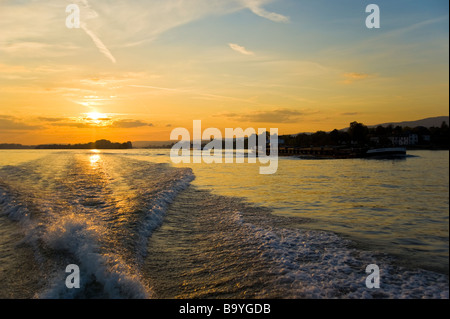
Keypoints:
pixel 282 115
pixel 196 93
pixel 350 114
pixel 129 124
pixel 240 49
pixel 51 119
pixel 158 88
pixel 354 76
pixel 73 124
pixel 9 123
pixel 106 122
pixel 255 7
pixel 150 20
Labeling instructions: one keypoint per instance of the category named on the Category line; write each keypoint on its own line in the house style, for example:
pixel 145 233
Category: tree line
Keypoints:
pixel 100 144
pixel 359 134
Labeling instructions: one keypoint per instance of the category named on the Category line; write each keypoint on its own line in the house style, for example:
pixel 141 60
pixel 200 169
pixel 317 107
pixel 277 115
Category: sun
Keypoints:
pixel 95 116
pixel 97 119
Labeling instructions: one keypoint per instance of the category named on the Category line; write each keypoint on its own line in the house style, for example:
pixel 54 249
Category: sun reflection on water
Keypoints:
pixel 94 158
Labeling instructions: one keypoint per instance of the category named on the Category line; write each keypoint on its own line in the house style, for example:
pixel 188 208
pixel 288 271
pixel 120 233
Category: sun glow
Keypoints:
pixel 95 116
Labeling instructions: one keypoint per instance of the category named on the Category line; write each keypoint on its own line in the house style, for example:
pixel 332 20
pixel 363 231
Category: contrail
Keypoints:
pixel 98 43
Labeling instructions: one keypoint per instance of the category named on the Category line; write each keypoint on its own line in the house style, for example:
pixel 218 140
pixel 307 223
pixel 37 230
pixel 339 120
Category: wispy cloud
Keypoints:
pixel 350 114
pixel 281 115
pixel 158 88
pixel 129 124
pixel 240 49
pixel 355 76
pixel 256 8
pixel 10 123
pixel 50 119
pixel 195 93
pixel 86 122
pixel 28 27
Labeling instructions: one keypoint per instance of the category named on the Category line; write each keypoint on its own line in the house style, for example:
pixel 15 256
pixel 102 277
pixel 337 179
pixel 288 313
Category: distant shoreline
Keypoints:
pixel 99 145
pixel 38 147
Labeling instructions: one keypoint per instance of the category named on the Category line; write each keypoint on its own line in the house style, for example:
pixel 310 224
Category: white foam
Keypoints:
pixel 315 264
pixel 79 237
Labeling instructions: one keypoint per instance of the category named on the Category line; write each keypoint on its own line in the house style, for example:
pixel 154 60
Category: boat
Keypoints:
pixel 388 152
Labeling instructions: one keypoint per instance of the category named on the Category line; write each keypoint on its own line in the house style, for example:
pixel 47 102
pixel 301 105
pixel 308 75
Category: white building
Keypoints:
pixel 400 140
pixel 413 139
pixel 404 139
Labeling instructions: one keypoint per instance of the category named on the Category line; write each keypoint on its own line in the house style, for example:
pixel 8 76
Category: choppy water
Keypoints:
pixel 138 227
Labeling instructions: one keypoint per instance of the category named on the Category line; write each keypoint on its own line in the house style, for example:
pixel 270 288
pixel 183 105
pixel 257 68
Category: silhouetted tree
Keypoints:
pixel 358 132
pixel 335 137
pixel 380 130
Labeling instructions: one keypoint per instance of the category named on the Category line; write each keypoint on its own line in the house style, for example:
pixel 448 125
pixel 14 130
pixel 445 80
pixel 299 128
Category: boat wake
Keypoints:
pixel 93 210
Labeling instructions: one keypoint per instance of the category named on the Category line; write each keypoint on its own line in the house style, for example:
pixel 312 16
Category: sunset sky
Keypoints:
pixel 137 69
